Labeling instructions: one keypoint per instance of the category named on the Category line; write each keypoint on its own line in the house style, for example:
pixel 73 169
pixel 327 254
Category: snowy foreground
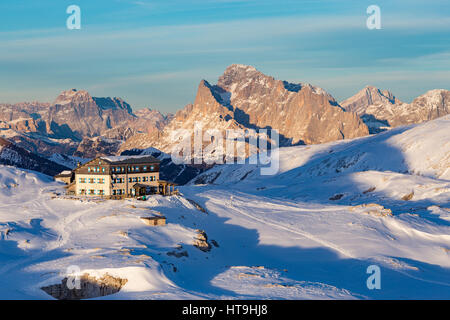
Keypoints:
pixel 309 232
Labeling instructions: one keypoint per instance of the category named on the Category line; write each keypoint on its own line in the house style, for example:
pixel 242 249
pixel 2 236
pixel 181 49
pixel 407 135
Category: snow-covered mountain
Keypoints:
pixel 67 161
pixel 422 150
pixel 381 110
pixel 12 155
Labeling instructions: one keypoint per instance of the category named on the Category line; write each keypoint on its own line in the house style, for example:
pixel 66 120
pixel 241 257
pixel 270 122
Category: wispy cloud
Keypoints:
pixel 321 42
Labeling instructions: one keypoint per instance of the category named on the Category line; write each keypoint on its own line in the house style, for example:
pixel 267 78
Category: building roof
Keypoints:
pixel 130 159
pixel 65 173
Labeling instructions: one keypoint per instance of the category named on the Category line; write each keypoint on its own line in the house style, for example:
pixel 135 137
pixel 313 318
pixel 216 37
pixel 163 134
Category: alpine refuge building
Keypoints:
pixel 120 177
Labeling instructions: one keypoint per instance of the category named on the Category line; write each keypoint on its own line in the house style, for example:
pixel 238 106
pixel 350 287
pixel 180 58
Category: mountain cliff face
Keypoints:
pixel 300 112
pixel 244 98
pixel 380 110
pixel 73 117
pixel 12 155
pixel 88 116
pixel 207 112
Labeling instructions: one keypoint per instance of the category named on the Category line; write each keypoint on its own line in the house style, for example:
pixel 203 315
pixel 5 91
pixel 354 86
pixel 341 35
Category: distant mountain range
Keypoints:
pixel 79 125
pixel 72 120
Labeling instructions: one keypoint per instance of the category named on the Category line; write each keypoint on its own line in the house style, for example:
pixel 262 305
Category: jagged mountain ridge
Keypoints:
pixel 419 149
pixel 301 112
pixel 74 117
pixel 245 98
pixel 380 110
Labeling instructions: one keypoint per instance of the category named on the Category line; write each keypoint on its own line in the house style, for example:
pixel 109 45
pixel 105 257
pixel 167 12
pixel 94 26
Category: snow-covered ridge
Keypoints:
pixel 418 149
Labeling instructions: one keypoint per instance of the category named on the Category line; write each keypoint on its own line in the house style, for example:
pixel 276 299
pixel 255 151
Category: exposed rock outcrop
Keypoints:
pixel 201 241
pixel 90 287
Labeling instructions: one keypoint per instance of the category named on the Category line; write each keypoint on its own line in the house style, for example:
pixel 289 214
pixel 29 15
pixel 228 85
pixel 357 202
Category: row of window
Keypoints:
pixel 117 180
pixel 135 179
pixel 92 192
pixel 92 180
pixel 119 192
pixel 96 169
pixel 122 169
pixel 133 169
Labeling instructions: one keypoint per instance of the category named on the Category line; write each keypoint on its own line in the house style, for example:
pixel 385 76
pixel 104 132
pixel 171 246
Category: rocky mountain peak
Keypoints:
pixel 298 110
pixel 435 97
pixel 73 96
pixel 432 104
pixel 238 76
pixel 239 69
pixel 380 110
pixel 369 96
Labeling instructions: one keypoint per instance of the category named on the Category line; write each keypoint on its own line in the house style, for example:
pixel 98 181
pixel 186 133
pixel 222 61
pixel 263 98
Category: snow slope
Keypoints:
pixel 41 236
pixel 309 232
pixel 418 149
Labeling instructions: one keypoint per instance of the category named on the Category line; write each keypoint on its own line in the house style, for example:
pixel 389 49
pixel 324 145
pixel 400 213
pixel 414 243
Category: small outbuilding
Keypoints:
pixel 66 176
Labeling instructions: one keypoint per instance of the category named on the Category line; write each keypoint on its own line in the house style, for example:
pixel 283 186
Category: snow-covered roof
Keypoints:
pixel 130 159
pixel 65 173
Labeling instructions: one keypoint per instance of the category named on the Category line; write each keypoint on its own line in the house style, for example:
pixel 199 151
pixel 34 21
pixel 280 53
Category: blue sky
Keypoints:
pixel 153 53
